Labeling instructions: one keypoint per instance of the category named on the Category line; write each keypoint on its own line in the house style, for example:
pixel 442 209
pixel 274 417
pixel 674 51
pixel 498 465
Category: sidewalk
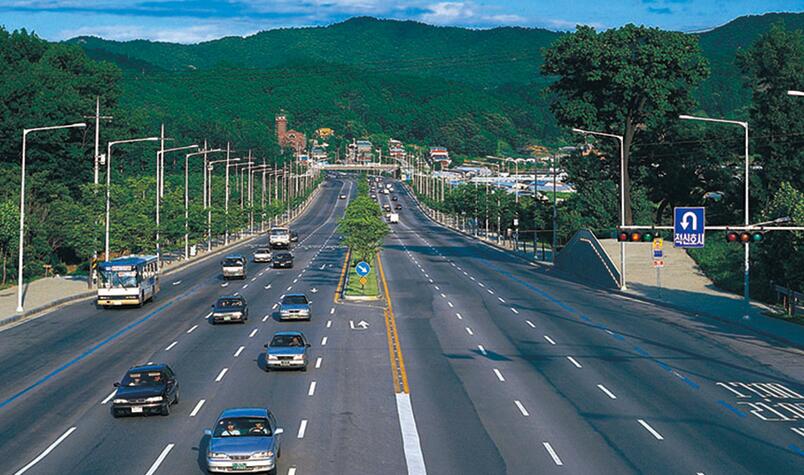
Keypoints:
pixel 49 292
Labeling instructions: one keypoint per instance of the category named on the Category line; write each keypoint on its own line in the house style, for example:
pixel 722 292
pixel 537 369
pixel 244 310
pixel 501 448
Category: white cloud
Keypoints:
pixel 185 35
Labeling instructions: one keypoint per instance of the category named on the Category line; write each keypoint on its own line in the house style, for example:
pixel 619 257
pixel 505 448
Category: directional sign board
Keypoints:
pixel 363 268
pixel 688 227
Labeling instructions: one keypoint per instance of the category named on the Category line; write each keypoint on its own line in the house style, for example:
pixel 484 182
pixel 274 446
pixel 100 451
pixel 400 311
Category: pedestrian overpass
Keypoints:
pixel 360 167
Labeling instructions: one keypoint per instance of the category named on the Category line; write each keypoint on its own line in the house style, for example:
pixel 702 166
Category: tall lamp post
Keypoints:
pixel 109 181
pixel 795 93
pixel 25 133
pixel 160 187
pixel 622 194
pixel 204 153
pixel 746 264
pixel 210 168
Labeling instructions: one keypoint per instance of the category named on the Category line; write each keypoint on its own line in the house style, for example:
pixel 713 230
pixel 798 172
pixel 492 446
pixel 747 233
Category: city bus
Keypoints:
pixel 129 280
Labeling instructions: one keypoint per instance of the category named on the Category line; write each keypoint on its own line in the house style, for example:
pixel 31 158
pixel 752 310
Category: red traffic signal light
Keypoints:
pixel 731 236
pixel 622 236
pixel 636 236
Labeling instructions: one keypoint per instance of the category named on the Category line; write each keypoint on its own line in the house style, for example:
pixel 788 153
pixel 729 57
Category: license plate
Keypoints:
pixel 136 409
pixel 284 363
pixel 239 466
pixel 227 318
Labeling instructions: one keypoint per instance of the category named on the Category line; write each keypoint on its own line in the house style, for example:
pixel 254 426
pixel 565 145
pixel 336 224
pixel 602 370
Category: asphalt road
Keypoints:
pixel 510 370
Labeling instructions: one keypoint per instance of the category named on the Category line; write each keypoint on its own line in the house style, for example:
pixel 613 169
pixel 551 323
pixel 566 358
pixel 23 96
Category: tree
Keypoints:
pixel 362 227
pixel 779 255
pixel 9 225
pixel 623 81
pixel 772 66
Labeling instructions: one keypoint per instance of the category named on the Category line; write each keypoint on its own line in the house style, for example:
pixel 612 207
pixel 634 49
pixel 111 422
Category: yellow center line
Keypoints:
pixel 343 275
pixel 394 348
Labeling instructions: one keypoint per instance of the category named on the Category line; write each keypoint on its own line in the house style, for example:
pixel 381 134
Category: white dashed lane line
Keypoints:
pixel 329 323
pixel 274 307
pixel 572 360
pixel 239 350
pixel 221 375
pixel 109 397
pixel 171 345
pixel 650 429
pixel 44 454
pixel 459 316
pixel 192 328
pixel 160 459
pixel 197 407
pixel 265 318
pixel 552 453
pixel 501 299
pixel 499 375
pixel 318 362
pixel 549 340
pixel 245 286
pixel 469 331
pixel 515 310
pixel 324 341
pixel 450 304
pixel 530 323
pixel 332 310
pixel 311 391
pixel 302 429
pixel 253 332
pixel 606 391
pixel 521 408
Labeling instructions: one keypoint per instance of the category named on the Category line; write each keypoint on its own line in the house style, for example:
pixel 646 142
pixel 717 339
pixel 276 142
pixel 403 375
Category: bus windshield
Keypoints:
pixel 126 279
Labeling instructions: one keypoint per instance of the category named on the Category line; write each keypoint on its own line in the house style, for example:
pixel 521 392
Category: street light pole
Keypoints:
pixel 746 263
pixel 210 168
pixel 160 178
pixel 622 195
pixel 203 152
pixel 25 133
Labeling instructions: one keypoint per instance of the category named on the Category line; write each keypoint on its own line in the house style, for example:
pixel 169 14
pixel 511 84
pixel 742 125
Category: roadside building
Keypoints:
pixel 289 138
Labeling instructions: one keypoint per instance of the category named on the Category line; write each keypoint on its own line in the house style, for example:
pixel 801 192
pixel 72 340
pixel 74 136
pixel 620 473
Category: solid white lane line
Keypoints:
pixel 329 323
pixel 221 374
pixel 550 340
pixel 160 459
pixel 311 391
pixel 318 362
pixel 515 310
pixel 577 365
pixel 265 318
pixel 482 350
pixel 411 445
pixel 521 408
pixel 197 407
pixel 302 429
pixel 332 310
pixel 501 299
pixel 253 332
pixel 499 375
pixel 530 323
pixel 469 331
pixel 450 304
pixel 109 397
pixel 324 341
pixel 608 393
pixel 459 316
pixel 171 345
pixel 552 453
pixel 650 429
pixel 192 328
pixel 46 452
pixel 239 350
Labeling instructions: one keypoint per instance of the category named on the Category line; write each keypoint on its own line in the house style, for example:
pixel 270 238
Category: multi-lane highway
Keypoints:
pixel 509 370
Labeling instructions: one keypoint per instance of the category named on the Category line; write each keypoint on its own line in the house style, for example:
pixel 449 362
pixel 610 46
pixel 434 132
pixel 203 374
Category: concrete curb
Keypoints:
pixel 4 321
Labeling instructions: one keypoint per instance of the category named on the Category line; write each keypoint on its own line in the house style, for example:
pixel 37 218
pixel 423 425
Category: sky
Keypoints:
pixel 193 21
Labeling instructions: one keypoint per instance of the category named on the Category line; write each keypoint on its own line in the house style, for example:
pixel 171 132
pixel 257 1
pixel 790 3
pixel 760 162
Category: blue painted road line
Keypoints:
pixel 83 355
pixel 795 449
pixel 732 408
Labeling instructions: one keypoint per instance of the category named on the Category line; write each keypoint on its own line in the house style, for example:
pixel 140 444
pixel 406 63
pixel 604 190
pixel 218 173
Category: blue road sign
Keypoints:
pixel 363 268
pixel 688 227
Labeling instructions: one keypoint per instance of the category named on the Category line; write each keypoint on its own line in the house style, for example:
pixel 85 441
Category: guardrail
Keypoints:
pixel 790 299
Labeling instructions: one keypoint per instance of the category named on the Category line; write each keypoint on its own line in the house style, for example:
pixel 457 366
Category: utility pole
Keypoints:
pixel 226 202
pixel 159 189
pixel 97 160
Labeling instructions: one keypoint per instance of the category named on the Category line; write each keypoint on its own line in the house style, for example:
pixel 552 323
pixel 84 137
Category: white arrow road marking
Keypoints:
pixel 160 459
pixel 46 452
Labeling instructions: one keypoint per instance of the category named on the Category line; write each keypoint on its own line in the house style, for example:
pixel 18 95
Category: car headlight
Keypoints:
pixel 273 357
pixel 217 456
pixel 120 401
pixel 298 357
pixel 267 454
pixel 154 399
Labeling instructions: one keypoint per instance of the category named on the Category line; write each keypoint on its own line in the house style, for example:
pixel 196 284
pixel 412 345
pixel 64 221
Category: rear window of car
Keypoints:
pixel 232 262
pixel 230 303
pixel 263 250
pixel 294 300
pixel 282 255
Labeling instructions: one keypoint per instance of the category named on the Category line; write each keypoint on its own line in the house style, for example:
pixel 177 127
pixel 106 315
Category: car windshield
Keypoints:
pixel 230 303
pixel 143 378
pixel 278 232
pixel 263 251
pixel 282 255
pixel 242 427
pixel 126 279
pixel 232 262
pixel 282 341
pixel 294 300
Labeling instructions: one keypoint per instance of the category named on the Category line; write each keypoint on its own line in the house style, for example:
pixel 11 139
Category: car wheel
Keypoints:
pixel 272 472
pixel 116 414
pixel 176 399
pixel 166 410
pixel 304 369
pixel 267 368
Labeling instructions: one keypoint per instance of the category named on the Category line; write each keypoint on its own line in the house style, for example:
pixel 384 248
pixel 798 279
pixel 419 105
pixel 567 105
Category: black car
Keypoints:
pixel 147 389
pixel 394 198
pixel 282 259
pixel 229 308
pixel 294 236
pixel 398 206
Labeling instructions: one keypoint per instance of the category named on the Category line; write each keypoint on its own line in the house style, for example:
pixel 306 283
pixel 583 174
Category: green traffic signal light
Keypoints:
pixel 757 237
pixel 647 237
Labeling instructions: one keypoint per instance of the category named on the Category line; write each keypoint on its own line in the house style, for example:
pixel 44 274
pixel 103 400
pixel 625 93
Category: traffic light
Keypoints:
pixel 745 237
pixel 636 236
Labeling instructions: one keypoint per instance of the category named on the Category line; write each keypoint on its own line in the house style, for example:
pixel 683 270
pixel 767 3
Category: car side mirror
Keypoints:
pixel 208 432
pixel 308 345
pixel 117 385
pixel 265 345
pixel 279 431
pixel 212 306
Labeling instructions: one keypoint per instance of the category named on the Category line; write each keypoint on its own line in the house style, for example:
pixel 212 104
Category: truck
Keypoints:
pixel 393 218
pixel 279 238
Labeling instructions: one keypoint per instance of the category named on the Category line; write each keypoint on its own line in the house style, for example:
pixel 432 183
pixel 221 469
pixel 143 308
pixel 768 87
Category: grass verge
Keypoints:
pixel 353 287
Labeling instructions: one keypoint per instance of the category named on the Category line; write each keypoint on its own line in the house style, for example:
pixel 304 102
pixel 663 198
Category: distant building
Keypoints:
pixel 363 150
pixel 318 153
pixel 396 149
pixel 289 138
pixel 439 154
pixel 324 132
